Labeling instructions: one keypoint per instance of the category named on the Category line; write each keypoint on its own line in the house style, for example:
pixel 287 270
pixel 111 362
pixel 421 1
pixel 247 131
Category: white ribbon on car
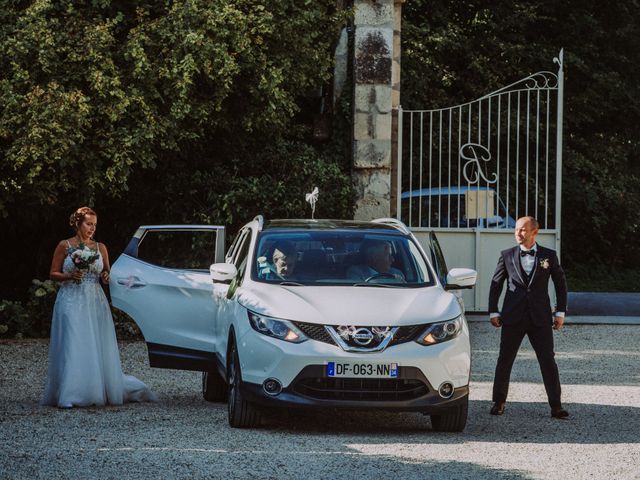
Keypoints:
pixel 312 198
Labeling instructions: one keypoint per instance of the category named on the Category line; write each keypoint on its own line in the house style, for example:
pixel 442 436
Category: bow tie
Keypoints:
pixel 524 253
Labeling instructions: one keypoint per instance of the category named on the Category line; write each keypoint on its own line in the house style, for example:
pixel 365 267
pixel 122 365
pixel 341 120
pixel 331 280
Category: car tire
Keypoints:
pixel 452 419
pixel 241 413
pixel 214 388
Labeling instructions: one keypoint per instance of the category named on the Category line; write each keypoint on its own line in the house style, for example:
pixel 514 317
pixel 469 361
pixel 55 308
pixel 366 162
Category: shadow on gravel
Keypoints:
pixel 586 367
pixel 291 464
pixel 523 422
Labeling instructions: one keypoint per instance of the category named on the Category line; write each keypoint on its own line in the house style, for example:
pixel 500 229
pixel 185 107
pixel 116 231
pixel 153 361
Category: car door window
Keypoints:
pixel 438 258
pixel 184 250
pixel 234 246
pixel 240 261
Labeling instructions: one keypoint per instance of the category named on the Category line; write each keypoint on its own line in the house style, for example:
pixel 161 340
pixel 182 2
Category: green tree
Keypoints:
pixel 160 112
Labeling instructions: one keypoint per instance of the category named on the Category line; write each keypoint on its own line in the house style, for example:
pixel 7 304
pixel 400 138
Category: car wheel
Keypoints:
pixel 453 419
pixel 242 414
pixel 214 388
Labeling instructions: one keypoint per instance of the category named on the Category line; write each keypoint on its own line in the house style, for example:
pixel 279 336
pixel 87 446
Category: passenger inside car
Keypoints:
pixel 284 258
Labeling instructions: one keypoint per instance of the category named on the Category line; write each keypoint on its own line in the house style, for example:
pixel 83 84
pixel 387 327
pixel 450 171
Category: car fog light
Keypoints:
pixel 446 390
pixel 272 386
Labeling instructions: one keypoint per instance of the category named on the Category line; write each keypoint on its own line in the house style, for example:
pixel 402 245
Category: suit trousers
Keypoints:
pixel 541 338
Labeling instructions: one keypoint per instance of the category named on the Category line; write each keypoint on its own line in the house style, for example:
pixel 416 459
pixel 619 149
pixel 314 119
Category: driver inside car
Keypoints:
pixel 378 258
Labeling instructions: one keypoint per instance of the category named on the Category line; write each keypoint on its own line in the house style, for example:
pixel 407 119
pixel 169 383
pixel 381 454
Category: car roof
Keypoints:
pixel 453 190
pixel 327 224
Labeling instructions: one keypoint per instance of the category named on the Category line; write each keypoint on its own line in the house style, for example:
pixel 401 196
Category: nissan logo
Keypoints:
pixel 362 336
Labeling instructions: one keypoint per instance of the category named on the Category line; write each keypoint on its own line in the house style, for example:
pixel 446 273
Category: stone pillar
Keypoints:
pixel 395 103
pixel 373 82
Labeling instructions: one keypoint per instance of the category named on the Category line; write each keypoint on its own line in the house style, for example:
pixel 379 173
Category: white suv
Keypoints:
pixel 331 332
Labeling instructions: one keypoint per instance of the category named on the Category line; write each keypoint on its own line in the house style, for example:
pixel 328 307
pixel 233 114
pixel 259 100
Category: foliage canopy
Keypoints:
pixel 92 91
pixel 162 112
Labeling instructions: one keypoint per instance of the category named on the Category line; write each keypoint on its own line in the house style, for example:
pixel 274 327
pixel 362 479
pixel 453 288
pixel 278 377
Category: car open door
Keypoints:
pixel 162 281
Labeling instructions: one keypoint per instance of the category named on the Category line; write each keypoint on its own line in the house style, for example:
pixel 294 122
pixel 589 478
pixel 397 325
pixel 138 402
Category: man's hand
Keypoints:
pixel 496 322
pixel 558 322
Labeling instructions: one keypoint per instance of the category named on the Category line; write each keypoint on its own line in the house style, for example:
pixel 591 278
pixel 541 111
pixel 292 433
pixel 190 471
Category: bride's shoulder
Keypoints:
pixel 62 248
pixel 65 243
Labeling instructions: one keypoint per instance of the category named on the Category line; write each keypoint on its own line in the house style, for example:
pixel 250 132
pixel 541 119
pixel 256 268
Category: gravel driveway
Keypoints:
pixel 183 436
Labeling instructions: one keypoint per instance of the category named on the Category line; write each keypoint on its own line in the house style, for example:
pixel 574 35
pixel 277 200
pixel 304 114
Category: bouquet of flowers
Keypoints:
pixel 83 257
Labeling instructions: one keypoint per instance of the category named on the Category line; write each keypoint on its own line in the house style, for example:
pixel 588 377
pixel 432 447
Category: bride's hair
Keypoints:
pixel 77 217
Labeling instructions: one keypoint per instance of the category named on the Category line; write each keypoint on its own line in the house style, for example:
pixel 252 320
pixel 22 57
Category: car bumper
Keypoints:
pixel 411 391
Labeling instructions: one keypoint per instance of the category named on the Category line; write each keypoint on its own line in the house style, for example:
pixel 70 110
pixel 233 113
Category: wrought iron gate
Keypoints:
pixel 469 171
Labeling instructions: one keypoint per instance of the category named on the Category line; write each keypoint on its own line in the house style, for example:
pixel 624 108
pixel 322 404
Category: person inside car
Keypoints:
pixel 378 258
pixel 283 258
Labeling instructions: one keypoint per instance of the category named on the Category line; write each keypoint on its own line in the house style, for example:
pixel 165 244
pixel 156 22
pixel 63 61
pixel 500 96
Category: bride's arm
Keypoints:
pixel 56 273
pixel 106 269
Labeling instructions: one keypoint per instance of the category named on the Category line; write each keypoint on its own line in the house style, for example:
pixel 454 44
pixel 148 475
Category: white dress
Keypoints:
pixel 84 361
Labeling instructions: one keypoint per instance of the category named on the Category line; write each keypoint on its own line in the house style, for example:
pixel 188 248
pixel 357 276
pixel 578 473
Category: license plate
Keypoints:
pixel 362 370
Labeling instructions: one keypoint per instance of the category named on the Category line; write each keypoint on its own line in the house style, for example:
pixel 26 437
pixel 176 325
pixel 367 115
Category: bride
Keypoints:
pixel 84 362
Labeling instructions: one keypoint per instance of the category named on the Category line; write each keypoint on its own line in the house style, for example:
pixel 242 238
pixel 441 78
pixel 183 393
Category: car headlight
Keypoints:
pixel 441 332
pixel 281 329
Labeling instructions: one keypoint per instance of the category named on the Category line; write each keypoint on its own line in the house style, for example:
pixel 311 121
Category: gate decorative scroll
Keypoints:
pixel 484 163
pixel 474 161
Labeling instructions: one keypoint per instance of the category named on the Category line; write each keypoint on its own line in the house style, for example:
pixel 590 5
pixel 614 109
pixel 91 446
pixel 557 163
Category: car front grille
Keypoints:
pixel 370 389
pixel 315 332
pixel 407 334
pixel 318 332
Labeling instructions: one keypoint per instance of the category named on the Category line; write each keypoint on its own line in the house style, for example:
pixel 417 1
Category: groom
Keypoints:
pixel 526 310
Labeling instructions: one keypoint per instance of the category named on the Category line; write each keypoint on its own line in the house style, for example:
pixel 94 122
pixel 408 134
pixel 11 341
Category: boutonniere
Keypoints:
pixel 544 263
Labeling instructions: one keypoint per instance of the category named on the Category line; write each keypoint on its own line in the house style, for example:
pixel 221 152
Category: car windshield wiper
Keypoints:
pixel 288 283
pixel 366 284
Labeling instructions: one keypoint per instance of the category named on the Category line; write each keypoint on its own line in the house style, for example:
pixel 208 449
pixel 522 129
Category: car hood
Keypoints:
pixel 367 306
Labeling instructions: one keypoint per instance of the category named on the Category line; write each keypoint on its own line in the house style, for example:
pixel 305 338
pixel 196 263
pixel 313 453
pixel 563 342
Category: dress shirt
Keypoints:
pixel 528 261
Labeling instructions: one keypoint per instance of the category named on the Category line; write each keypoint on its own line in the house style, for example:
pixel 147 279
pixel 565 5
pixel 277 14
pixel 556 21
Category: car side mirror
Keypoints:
pixel 223 272
pixel 459 278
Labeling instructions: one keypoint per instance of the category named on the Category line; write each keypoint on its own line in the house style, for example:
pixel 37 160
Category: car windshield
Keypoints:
pixel 340 257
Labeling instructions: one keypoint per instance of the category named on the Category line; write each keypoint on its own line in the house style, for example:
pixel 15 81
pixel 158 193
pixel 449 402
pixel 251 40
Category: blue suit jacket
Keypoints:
pixel 528 296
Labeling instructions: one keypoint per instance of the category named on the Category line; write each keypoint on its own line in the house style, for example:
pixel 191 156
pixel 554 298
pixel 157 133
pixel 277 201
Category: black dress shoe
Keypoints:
pixel 559 413
pixel 497 409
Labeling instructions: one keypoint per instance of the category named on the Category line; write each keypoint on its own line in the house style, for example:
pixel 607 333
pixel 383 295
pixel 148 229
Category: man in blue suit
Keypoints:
pixel 526 310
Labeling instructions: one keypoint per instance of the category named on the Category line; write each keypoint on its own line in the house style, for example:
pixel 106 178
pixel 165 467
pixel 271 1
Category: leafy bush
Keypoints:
pixel 603 278
pixel 33 317
pixel 13 317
